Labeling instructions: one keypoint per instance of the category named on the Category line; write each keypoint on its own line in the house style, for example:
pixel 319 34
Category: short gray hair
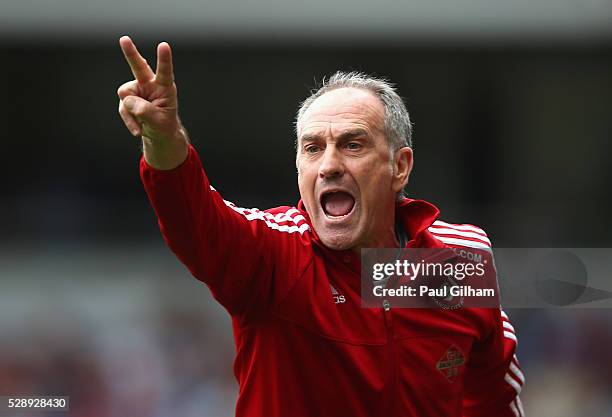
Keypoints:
pixel 398 128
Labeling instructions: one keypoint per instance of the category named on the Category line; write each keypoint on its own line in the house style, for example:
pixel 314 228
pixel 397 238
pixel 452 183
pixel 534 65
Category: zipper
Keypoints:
pixel 393 377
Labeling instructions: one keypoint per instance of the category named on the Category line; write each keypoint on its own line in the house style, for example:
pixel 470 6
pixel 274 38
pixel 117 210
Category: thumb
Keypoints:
pixel 138 107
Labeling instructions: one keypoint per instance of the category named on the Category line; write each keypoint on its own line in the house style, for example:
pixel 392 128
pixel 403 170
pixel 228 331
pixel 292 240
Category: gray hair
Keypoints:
pixel 398 128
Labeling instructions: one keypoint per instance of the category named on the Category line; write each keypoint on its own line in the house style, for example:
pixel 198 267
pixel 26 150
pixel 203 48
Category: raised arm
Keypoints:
pixel 149 108
pixel 248 258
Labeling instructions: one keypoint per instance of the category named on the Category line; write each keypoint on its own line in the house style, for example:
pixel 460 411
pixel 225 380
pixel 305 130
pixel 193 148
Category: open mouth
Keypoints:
pixel 337 204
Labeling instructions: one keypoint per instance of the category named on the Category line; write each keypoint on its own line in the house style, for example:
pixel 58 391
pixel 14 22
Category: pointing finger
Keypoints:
pixel 165 72
pixel 141 70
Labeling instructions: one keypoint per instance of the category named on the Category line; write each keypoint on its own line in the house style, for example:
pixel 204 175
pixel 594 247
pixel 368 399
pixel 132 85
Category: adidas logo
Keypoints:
pixel 339 299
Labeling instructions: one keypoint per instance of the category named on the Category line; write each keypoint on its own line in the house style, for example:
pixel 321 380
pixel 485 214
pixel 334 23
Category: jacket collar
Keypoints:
pixel 415 216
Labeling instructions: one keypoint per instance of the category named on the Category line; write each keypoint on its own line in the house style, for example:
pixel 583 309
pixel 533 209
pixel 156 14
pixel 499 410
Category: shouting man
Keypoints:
pixel 290 276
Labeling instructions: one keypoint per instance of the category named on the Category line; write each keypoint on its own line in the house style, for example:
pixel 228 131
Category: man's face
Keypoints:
pixel 347 176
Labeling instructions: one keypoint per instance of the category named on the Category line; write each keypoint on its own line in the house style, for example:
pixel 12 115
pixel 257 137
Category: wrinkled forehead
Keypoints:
pixel 341 109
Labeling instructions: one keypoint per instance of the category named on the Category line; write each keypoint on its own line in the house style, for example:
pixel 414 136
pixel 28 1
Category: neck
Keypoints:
pixel 388 239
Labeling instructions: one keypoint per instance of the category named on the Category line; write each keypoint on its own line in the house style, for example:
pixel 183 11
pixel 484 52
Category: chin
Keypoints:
pixel 337 242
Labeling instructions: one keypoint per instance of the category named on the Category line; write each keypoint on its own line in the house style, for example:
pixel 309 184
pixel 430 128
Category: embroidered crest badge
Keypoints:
pixel 451 362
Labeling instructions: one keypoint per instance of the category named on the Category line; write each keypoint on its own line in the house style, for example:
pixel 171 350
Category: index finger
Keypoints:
pixel 165 71
pixel 141 70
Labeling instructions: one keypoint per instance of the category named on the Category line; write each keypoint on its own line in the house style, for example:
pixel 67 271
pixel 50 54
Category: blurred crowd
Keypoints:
pixel 113 351
pixel 172 366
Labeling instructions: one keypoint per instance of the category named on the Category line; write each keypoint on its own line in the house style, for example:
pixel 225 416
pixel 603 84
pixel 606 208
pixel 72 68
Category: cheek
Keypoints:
pixel 375 182
pixel 306 183
pixel 306 168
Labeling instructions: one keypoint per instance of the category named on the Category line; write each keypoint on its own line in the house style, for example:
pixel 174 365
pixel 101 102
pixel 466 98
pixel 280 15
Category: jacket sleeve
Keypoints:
pixel 248 258
pixel 494 378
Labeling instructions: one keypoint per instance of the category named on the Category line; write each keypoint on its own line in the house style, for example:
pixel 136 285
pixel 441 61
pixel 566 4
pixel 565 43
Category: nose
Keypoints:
pixel 331 165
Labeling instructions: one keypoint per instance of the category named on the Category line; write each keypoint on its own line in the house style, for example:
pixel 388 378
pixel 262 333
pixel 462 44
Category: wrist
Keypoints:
pixel 167 154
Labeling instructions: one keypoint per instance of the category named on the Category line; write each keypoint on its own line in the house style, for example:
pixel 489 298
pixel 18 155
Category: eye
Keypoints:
pixel 353 146
pixel 311 149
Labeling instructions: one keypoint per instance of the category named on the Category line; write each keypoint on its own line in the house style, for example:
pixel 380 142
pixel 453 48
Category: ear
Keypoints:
pixel 402 166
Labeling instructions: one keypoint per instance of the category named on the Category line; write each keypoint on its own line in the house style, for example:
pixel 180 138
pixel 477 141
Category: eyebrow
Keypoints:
pixel 344 136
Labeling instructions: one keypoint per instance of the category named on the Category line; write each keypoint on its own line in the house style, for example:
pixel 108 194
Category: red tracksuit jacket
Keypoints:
pixel 305 346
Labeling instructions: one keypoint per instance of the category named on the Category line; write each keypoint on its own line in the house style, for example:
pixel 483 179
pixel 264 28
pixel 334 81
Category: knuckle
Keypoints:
pixel 122 113
pixel 125 89
pixel 138 110
pixel 122 91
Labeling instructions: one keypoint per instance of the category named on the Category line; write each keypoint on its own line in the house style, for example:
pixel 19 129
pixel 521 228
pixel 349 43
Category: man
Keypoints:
pixel 290 276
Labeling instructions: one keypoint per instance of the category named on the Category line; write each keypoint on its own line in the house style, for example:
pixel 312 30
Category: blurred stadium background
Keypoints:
pixel 511 104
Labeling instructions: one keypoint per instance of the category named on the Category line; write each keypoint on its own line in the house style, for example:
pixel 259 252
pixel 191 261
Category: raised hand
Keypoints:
pixel 148 106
